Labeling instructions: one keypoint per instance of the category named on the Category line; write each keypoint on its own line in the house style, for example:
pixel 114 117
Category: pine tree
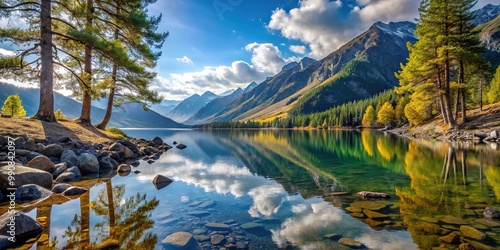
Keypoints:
pixel 385 114
pixel 35 39
pixel 494 92
pixel 13 106
pixel 369 117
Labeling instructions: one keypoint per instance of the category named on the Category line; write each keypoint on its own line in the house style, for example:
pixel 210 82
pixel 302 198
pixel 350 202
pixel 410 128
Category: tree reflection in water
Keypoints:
pixel 124 226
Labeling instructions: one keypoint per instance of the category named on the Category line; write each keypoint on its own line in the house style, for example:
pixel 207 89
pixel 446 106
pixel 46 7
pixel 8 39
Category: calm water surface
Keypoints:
pixel 288 182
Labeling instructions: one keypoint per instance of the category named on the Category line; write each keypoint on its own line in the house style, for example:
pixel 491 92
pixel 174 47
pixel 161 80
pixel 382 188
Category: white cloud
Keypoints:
pixel 184 59
pixel 266 60
pixel 4 52
pixel 299 49
pixel 326 25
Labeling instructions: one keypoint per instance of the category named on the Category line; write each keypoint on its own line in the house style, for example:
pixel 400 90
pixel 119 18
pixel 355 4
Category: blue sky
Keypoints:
pixel 218 45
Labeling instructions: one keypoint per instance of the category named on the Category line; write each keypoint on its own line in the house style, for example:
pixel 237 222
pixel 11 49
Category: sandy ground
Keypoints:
pixel 41 130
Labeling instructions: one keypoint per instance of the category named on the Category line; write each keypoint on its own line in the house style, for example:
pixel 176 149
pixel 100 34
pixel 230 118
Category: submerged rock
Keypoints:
pixel 370 205
pixel 472 233
pixel 217 239
pixel 181 146
pixel 350 243
pixel 180 240
pixel 218 226
pixel 251 226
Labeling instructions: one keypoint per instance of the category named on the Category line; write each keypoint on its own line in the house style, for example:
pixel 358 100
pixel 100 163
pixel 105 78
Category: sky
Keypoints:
pixel 218 45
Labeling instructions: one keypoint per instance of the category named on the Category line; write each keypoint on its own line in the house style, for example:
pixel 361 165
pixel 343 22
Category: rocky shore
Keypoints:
pixel 33 169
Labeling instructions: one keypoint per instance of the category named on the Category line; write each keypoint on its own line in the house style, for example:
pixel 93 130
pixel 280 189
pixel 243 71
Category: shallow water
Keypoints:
pixel 287 181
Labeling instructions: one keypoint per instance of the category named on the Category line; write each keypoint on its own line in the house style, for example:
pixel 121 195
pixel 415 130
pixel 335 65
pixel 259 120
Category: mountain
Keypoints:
pixel 133 116
pixel 165 107
pixel 490 37
pixel 213 107
pixel 227 92
pixel 190 106
pixel 486 14
pixel 363 67
pixel 250 87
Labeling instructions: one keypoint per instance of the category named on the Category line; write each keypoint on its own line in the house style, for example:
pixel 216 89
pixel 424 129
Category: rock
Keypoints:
pixel 151 161
pixel 206 204
pixel 70 157
pixel 74 191
pixel 373 195
pixel 157 141
pixel 358 215
pixel 217 239
pixel 25 227
pixel 477 245
pixel 350 243
pixel 181 146
pixel 489 223
pixel 54 150
pixel 465 246
pixel 370 205
pixel 23 175
pixel 124 168
pixel 375 215
pixel 75 171
pixel 42 163
pixel 61 187
pixel 88 163
pixel 130 146
pixel 116 147
pixel 63 139
pixel 494 134
pixel 164 215
pixel 61 167
pixel 251 226
pixel 241 245
pixel 198 213
pixel 452 238
pixel 161 181
pixel 218 226
pixel 331 236
pixel 137 172
pixel 107 163
pixel 1 197
pixel 135 164
pixel 70 175
pixel 180 240
pixel 175 143
pixel 201 238
pixel 127 153
pixel 31 192
pixel 354 209
pixel 491 213
pixel 200 231
pixel 3 141
pixel 472 233
pixel 168 221
pixel 448 219
pixel 30 145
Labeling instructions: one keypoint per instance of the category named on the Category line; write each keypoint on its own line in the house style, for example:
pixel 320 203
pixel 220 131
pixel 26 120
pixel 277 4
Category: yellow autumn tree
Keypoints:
pixel 386 114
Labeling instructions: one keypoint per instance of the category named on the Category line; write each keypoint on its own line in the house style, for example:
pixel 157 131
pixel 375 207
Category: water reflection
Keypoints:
pixel 285 180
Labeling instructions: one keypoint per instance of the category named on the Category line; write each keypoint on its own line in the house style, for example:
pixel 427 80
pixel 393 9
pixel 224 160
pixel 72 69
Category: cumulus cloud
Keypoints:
pixel 326 25
pixel 184 59
pixel 266 60
pixel 299 49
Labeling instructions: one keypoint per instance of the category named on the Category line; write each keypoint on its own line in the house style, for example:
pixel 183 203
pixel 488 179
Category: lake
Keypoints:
pixel 295 189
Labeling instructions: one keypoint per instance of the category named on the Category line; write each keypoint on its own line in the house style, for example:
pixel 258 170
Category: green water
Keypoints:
pixel 284 181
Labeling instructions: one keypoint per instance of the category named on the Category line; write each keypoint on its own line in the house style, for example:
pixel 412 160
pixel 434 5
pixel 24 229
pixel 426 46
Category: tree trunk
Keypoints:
pixel 447 94
pixel 87 84
pixel 441 98
pixel 46 106
pixel 481 94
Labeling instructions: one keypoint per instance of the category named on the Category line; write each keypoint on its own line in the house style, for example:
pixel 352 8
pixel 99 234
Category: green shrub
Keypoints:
pixel 116 130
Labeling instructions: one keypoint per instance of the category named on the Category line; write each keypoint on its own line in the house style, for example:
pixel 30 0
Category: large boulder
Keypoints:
pixel 107 163
pixel 54 150
pixel 116 147
pixel 23 175
pixel 42 163
pixel 130 146
pixel 25 228
pixel 180 240
pixel 31 192
pixel 127 153
pixel 88 163
pixel 70 157
pixel 157 141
